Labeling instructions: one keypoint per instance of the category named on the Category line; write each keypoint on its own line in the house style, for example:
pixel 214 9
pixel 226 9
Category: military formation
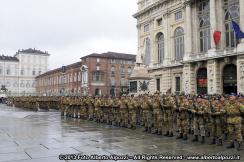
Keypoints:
pixel 216 117
pixel 35 103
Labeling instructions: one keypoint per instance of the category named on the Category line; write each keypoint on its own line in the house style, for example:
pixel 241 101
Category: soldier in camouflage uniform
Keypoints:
pixel 169 108
pixel 147 113
pixel 90 104
pixel 216 121
pixel 132 107
pixel 157 115
pixel 241 100
pixel 200 112
pixel 183 118
pixel 97 105
pixel 116 111
pixel 234 110
pixel 107 110
pixel 123 112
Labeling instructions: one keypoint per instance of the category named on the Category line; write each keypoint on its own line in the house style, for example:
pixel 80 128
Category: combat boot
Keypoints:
pixel 220 142
pixel 213 141
pixel 166 134
pixel 159 132
pixel 185 137
pixel 226 136
pixel 170 134
pixel 149 130
pixel 146 129
pixel 195 138
pixel 231 145
pixel 203 139
pixel 155 131
pixel 180 136
pixel 239 148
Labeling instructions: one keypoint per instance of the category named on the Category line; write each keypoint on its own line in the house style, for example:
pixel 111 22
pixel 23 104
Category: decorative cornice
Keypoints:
pixel 150 7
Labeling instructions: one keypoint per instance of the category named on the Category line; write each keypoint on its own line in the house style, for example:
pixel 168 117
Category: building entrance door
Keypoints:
pixel 202 81
pixel 230 79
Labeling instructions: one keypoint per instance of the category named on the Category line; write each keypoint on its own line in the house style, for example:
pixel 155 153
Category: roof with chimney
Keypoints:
pixel 33 51
pixel 8 58
pixel 113 55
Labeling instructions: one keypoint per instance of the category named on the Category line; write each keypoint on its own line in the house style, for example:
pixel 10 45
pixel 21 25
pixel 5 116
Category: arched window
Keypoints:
pixel 179 43
pixel 160 40
pixel 205 39
pixel 204 25
pixel 147 57
pixel 232 12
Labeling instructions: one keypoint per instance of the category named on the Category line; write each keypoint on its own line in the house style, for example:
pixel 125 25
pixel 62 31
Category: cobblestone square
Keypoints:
pixel 42 136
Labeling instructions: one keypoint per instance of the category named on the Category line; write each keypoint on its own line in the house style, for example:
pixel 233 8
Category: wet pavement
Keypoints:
pixel 27 136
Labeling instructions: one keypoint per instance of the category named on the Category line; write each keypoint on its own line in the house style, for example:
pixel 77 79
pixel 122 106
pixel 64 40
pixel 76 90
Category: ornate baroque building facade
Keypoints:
pixel 177 46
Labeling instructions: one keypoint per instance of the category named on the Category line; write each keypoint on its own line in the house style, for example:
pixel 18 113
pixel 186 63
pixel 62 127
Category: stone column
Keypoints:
pixel 242 16
pixel 240 74
pixel 213 22
pixel 240 47
pixel 188 41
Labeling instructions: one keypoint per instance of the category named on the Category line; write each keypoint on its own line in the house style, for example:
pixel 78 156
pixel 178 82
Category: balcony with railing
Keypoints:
pixel 211 55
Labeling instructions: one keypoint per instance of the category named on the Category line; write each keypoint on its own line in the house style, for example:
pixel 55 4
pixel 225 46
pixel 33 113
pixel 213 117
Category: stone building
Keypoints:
pixel 107 73
pixel 18 72
pixel 177 47
pixel 61 81
pixel 95 74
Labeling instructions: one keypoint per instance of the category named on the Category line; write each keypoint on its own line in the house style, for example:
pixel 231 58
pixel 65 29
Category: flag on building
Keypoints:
pixel 237 29
pixel 217 37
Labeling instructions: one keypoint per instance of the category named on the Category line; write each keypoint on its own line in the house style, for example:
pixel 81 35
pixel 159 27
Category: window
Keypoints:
pixel 34 72
pixel 1 70
pixel 178 15
pixel 97 76
pixel 112 61
pixel 122 69
pixel 158 84
pixel 98 59
pixel 177 84
pixel 8 84
pixel 146 28
pixel 22 72
pixel 160 40
pixel 133 86
pixel 97 92
pixel 203 6
pixel 123 82
pixel 112 68
pixel 112 81
pixel 129 70
pixel 179 43
pixel 8 71
pixel 205 39
pixel 147 58
pixel 15 84
pixel 232 12
pixel 159 21
pixel 204 26
pixel 98 68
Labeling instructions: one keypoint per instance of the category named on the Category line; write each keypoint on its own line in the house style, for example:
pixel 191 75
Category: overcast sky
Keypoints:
pixel 68 29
